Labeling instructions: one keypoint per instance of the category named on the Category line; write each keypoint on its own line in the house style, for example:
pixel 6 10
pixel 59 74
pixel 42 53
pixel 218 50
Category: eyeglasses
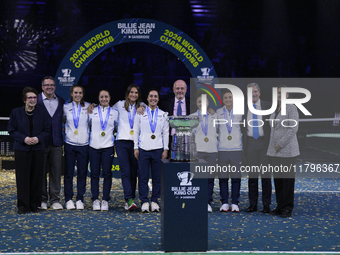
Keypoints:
pixel 31 98
pixel 49 85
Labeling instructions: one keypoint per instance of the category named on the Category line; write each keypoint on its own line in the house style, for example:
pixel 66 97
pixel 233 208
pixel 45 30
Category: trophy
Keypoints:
pixel 185 178
pixel 183 146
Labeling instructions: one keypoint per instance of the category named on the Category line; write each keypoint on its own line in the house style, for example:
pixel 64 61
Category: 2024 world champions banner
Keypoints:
pixel 126 31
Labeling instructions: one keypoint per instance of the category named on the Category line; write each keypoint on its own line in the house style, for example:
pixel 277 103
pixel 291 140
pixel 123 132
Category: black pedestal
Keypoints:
pixel 184 221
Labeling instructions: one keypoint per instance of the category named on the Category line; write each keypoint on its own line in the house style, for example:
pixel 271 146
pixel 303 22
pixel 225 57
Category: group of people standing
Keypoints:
pixel 250 141
pixel 142 140
pixel 89 136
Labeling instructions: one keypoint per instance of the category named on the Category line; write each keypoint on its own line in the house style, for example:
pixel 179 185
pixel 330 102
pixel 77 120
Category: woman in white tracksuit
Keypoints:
pixel 101 151
pixel 124 143
pixel 230 152
pixel 206 143
pixel 76 146
pixel 151 137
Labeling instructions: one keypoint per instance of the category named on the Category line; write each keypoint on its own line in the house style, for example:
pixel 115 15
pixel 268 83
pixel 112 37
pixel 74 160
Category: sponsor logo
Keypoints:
pixel 66 79
pixel 66 72
pixel 206 77
pixel 185 178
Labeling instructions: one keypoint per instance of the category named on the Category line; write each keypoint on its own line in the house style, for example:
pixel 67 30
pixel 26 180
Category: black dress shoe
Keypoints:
pixel 35 210
pixel 266 209
pixel 251 208
pixel 286 214
pixel 22 212
pixel 276 211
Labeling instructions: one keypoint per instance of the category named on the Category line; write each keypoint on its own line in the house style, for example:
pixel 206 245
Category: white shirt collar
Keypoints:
pixel 182 100
pixel 258 103
pixel 107 107
pixel 44 97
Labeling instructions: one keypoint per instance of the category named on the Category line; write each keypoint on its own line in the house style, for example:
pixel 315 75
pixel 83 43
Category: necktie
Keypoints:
pixel 255 126
pixel 179 109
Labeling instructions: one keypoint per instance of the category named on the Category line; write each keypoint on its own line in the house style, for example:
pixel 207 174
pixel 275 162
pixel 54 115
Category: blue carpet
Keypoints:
pixel 314 226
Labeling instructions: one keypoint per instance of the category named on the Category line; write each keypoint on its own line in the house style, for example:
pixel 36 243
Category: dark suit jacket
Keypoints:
pixel 168 106
pixel 56 136
pixel 19 128
pixel 266 127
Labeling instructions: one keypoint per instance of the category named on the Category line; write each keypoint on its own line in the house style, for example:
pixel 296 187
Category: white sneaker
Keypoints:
pixel 80 205
pixel 70 205
pixel 96 205
pixel 105 205
pixel 154 207
pixel 57 206
pixel 209 208
pixel 234 208
pixel 224 208
pixel 43 206
pixel 130 207
pixel 145 207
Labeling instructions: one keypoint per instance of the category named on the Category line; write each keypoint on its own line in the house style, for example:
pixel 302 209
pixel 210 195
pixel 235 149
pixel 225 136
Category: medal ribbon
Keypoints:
pixel 152 123
pixel 204 126
pixel 229 127
pixel 101 117
pixel 75 116
pixel 132 120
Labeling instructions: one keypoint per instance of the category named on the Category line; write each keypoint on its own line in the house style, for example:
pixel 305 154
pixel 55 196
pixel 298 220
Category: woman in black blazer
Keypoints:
pixel 29 127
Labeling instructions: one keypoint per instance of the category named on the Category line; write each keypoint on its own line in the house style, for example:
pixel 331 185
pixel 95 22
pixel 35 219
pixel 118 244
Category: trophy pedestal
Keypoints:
pixel 184 215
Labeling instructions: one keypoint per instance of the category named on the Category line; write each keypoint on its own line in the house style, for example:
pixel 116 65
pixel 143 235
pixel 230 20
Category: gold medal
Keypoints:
pixel 76 132
pixel 153 136
pixel 103 134
pixel 230 137
pixel 131 132
pixel 206 139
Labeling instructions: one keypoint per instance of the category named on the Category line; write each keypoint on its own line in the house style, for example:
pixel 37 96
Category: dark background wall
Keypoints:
pixel 242 38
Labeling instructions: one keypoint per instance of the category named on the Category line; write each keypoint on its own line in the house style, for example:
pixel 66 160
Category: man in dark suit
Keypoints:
pixel 53 105
pixel 255 146
pixel 178 105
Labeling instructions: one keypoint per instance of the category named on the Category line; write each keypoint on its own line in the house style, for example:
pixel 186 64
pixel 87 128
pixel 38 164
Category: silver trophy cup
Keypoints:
pixel 183 146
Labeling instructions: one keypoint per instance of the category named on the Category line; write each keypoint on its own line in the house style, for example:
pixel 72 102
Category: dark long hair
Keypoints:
pixel 127 92
pixel 82 101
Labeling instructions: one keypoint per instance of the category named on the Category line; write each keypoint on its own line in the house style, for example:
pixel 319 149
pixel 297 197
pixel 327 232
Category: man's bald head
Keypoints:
pixel 180 89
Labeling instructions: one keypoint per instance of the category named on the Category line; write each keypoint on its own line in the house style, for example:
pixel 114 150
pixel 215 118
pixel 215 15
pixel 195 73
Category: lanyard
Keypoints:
pixel 75 116
pixel 229 127
pixel 152 119
pixel 132 119
pixel 204 126
pixel 101 117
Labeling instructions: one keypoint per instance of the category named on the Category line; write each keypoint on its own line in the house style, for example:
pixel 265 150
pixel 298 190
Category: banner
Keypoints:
pixel 126 31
